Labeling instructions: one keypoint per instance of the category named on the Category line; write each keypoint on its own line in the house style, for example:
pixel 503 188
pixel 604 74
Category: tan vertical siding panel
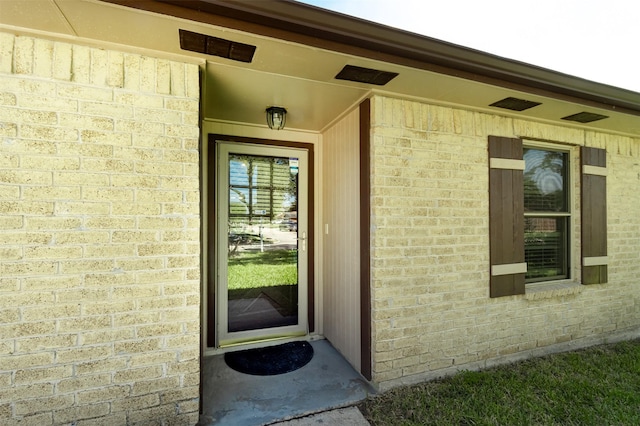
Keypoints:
pixel 342 244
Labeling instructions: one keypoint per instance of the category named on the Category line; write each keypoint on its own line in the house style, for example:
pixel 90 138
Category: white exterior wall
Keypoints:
pixel 341 236
pixel 430 247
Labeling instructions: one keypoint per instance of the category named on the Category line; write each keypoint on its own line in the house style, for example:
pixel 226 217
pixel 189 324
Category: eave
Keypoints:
pixel 300 51
pixel 295 22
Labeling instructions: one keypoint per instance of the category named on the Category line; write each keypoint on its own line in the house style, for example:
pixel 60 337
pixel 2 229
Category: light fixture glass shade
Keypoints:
pixel 276 117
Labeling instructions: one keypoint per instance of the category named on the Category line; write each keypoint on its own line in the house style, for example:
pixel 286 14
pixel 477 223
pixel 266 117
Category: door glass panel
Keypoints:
pixel 262 261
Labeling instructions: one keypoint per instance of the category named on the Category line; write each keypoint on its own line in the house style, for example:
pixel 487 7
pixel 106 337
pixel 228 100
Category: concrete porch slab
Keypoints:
pixel 326 382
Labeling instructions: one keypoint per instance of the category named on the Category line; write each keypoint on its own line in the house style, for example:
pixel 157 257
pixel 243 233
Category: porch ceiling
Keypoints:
pixel 296 76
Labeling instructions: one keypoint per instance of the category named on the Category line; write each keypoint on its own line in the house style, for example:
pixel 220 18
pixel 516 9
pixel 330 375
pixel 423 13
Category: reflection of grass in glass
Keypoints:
pixel 267 269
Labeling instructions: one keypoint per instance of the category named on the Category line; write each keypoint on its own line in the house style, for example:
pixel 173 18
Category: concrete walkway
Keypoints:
pixel 349 416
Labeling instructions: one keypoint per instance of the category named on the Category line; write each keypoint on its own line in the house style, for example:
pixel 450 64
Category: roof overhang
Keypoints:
pixel 304 47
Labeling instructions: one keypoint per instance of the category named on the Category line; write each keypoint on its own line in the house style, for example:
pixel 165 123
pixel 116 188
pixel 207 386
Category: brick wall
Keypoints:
pixel 430 245
pixel 99 236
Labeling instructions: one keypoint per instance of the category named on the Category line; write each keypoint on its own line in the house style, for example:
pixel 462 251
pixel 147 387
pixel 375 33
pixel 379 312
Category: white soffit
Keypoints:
pixel 312 95
pixel 242 95
pixel 40 15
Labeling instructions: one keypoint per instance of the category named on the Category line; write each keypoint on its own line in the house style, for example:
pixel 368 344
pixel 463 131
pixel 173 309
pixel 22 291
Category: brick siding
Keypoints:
pixel 430 247
pixel 99 236
pixel 100 240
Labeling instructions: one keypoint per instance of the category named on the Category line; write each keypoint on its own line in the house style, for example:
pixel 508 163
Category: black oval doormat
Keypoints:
pixel 271 360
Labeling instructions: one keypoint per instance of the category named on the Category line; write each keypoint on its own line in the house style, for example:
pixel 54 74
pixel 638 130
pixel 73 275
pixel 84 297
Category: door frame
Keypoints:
pixel 210 231
pixel 225 150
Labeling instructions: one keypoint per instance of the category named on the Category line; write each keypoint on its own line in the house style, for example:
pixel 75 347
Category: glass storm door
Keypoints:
pixel 261 242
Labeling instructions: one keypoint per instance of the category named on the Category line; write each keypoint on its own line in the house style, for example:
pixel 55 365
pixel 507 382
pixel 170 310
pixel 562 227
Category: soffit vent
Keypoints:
pixel 515 104
pixel 585 117
pixel 366 75
pixel 215 46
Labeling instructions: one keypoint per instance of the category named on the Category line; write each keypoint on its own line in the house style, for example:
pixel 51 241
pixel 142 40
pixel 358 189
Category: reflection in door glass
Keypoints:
pixel 262 264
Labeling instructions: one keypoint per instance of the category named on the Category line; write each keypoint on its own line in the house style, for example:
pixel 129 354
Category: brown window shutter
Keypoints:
pixel 594 215
pixel 506 216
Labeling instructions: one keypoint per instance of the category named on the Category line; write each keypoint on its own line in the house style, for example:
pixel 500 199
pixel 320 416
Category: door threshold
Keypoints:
pixel 260 344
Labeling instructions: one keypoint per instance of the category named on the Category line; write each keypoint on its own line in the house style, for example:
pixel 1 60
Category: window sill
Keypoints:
pixel 552 290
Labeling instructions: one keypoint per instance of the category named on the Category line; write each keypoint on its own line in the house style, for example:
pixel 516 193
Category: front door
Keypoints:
pixel 261 242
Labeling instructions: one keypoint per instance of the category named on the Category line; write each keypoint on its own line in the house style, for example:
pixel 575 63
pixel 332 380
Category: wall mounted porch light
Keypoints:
pixel 276 117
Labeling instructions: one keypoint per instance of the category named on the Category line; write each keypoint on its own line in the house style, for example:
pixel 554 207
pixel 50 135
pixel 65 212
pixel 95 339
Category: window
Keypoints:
pixel 530 215
pixel 546 214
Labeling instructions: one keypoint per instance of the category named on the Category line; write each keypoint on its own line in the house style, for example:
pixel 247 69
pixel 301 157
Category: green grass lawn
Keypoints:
pixel 249 270
pixel 595 386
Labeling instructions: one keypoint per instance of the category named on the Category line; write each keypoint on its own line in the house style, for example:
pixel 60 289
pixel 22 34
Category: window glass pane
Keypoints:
pixel 545 181
pixel 261 188
pixel 545 248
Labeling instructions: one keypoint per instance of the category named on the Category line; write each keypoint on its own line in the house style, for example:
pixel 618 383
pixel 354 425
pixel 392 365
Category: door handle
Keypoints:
pixel 304 241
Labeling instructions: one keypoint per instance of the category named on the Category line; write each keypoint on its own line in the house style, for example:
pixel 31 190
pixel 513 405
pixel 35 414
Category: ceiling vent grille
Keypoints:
pixel 515 104
pixel 366 75
pixel 215 46
pixel 585 117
